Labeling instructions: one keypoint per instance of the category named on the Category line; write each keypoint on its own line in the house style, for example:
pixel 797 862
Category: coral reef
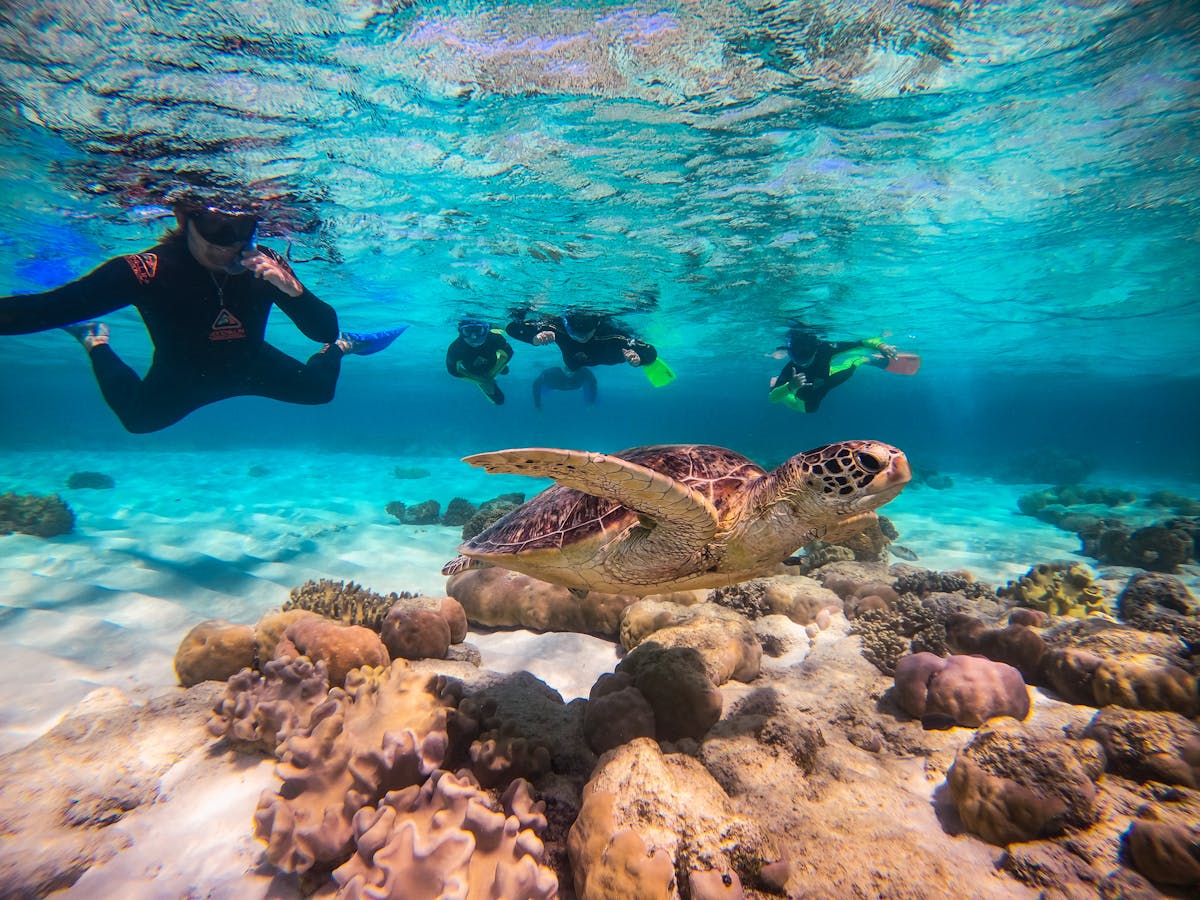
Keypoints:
pixel 1008 787
pixel 347 602
pixel 1058 588
pixel 799 598
pixel 458 512
pixel 959 690
pixel 633 834
pixel 500 598
pixel 489 511
pixel 90 480
pixel 1162 547
pixel 261 711
pixel 1159 602
pixel 386 731
pixel 726 643
pixel 214 650
pixel 1051 466
pixel 341 647
pixel 40 516
pixel 447 838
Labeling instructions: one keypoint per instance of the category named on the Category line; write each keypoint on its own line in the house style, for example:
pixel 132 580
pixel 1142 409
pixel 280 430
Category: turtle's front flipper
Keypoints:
pixel 679 521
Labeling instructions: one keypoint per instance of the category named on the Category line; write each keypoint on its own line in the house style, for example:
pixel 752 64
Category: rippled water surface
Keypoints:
pixel 1010 188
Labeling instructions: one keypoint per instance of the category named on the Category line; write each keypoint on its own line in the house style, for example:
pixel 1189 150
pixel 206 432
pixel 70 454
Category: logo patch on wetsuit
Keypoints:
pixel 226 327
pixel 144 265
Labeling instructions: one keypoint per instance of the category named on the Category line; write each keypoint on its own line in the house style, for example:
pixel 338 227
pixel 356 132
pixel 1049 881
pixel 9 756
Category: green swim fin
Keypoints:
pixel 659 373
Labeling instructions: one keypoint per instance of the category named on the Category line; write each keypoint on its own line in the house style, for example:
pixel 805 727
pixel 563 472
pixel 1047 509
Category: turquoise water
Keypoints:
pixel 1011 190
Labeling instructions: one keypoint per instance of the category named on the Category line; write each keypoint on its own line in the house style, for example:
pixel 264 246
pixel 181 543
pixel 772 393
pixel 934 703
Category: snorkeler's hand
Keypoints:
pixel 888 350
pixel 634 359
pixel 543 337
pixel 272 270
pixel 797 381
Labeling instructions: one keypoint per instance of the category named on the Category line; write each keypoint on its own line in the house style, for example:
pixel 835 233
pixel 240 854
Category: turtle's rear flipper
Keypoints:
pixel 681 520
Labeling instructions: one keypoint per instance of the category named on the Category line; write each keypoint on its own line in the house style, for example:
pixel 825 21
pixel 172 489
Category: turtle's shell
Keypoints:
pixel 561 516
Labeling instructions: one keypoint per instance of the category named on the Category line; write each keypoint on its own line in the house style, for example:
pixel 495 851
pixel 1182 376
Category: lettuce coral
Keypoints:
pixel 1058 588
pixel 446 838
pixel 387 730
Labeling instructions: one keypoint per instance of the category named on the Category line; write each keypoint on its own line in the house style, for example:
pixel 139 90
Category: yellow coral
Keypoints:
pixel 1059 588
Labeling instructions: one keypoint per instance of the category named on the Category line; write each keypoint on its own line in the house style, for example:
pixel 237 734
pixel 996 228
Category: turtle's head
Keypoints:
pixel 843 479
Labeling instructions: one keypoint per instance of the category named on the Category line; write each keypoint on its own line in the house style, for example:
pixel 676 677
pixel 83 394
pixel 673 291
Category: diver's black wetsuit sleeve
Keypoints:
pixel 527 331
pixel 315 318
pixel 107 288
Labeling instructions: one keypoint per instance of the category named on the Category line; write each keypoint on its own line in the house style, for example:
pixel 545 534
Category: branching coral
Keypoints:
pixel 345 601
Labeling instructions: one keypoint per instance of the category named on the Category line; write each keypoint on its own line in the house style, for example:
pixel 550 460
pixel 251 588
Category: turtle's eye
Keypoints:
pixel 869 462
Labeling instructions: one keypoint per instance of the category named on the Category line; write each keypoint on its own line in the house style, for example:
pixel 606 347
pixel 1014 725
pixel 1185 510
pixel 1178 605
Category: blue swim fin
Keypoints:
pixel 364 343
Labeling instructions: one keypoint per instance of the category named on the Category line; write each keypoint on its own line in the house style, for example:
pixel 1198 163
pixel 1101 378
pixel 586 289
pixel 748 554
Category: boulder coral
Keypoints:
pixel 616 713
pixel 1148 746
pixel 633 832
pixel 1008 787
pixel 341 647
pixel 496 597
pixel 213 651
pixel 448 838
pixel 723 638
pixel 674 682
pixel 1158 602
pixel 963 690
pixel 1166 853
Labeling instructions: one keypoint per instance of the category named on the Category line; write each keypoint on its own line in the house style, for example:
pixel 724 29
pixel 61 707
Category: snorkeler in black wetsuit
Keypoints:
pixel 557 379
pixel 479 354
pixel 811 371
pixel 584 339
pixel 204 293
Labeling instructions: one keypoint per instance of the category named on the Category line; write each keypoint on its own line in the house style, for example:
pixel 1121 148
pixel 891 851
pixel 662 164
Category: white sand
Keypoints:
pixel 191 536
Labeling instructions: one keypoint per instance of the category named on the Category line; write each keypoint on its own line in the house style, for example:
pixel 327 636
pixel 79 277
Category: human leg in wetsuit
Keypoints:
pixel 168 392
pixel 558 379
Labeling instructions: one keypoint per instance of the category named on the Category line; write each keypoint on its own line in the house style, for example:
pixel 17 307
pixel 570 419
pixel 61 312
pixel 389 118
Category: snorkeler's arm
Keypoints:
pixel 646 352
pixel 315 318
pixel 109 287
pixel 527 331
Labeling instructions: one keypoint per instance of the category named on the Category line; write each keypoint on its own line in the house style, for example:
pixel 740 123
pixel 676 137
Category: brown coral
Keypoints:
pixel 213 651
pixel 1007 787
pixel 385 731
pixel 346 602
pixel 966 690
pixel 342 647
pixel 262 710
pixel 447 838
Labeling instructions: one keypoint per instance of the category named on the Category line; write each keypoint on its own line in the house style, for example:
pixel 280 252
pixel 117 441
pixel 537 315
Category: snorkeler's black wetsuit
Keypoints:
pixel 606 348
pixel 819 381
pixel 481 364
pixel 557 379
pixel 208 333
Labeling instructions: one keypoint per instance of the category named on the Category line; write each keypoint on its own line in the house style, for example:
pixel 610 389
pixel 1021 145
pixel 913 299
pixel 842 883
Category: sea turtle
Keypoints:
pixel 677 516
